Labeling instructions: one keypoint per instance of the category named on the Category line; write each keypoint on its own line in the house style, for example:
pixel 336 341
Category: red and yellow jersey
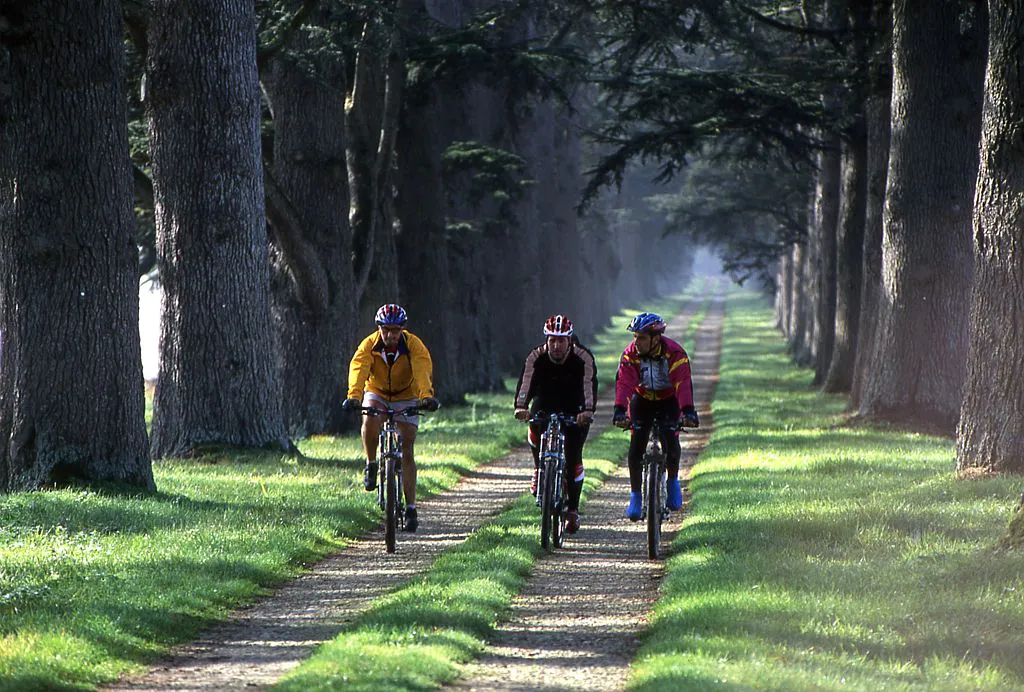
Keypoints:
pixel 661 375
pixel 406 373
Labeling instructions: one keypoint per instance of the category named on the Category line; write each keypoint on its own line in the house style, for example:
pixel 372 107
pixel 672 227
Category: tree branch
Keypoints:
pixel 303 263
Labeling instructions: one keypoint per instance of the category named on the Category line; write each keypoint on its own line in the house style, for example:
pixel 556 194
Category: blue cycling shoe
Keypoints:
pixel 675 495
pixel 635 507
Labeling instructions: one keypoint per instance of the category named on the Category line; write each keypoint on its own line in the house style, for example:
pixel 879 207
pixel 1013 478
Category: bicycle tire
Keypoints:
pixel 558 535
pixel 548 490
pixel 391 505
pixel 654 500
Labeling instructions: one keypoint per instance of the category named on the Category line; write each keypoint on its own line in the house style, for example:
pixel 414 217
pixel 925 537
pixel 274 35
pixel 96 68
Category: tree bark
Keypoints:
pixel 849 261
pixel 938 62
pixel 990 434
pixel 784 294
pixel 314 335
pixel 800 312
pixel 852 207
pixel 826 218
pixel 826 222
pixel 372 118
pixel 218 382
pixel 811 274
pixel 71 390
pixel 423 243
pixel 876 118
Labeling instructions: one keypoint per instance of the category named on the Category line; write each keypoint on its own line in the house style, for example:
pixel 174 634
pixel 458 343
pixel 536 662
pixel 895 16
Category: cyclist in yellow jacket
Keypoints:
pixel 392 367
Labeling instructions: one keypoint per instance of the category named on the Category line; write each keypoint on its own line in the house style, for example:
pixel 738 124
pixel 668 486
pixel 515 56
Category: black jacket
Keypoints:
pixel 567 388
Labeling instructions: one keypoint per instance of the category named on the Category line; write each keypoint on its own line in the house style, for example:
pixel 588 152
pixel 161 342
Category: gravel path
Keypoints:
pixel 259 644
pixel 577 623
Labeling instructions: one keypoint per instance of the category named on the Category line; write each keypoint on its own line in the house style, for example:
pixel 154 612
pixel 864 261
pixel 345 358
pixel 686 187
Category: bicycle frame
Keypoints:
pixel 390 491
pixel 551 482
pixel 654 486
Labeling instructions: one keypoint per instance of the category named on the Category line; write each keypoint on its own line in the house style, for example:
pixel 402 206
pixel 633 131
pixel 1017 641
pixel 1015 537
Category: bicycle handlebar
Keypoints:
pixel 670 427
pixel 542 417
pixel 391 412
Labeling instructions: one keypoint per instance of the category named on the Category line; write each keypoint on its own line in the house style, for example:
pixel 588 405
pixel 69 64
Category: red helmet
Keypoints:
pixel 558 325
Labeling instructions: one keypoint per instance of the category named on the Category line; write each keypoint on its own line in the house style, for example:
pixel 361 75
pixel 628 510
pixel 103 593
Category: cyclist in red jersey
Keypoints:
pixel 653 382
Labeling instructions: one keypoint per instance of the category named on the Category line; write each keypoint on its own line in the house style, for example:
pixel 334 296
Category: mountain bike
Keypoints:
pixel 389 466
pixel 653 486
pixel 551 482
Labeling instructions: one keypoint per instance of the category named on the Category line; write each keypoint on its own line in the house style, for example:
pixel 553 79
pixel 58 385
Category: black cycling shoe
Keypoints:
pixel 370 476
pixel 411 522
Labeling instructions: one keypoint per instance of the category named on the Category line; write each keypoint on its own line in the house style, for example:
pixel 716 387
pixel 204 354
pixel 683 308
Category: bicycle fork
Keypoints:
pixel 550 465
pixel 390 452
pixel 663 482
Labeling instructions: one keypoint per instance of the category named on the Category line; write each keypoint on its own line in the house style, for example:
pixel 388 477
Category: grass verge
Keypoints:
pixel 822 556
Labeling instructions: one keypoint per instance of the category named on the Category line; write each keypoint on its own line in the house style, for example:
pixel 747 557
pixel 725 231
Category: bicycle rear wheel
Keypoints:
pixel 546 505
pixel 654 501
pixel 390 504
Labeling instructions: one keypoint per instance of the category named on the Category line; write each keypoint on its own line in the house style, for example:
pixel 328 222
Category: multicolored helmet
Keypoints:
pixel 647 322
pixel 558 325
pixel 391 314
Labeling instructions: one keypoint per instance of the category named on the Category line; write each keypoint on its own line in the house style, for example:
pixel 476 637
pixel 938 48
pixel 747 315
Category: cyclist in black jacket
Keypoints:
pixel 560 376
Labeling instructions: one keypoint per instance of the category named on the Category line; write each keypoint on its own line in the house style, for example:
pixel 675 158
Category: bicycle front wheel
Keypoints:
pixel 557 512
pixel 654 500
pixel 546 506
pixel 391 503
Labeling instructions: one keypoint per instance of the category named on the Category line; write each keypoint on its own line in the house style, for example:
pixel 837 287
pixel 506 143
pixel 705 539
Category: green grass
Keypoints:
pixel 819 556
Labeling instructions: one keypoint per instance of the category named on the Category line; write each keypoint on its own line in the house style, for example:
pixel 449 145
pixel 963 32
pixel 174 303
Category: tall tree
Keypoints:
pixel 938 73
pixel 71 391
pixel 315 300
pixel 826 210
pixel 218 381
pixel 876 123
pixel 852 207
pixel 374 102
pixel 991 428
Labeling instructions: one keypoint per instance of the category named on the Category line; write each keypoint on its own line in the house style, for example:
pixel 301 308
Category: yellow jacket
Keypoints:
pixel 409 377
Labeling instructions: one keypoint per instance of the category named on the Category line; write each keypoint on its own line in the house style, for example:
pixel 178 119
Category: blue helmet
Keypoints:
pixel 391 314
pixel 649 322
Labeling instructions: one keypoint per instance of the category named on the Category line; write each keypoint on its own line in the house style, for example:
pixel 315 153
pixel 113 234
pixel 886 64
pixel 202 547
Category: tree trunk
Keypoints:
pixel 372 117
pixel 218 381
pixel 991 429
pixel 826 218
pixel 783 293
pixel 314 336
pixel 938 63
pixel 71 391
pixel 811 274
pixel 800 311
pixel 876 118
pixel 849 261
pixel 850 234
pixel 423 242
pixel 826 221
